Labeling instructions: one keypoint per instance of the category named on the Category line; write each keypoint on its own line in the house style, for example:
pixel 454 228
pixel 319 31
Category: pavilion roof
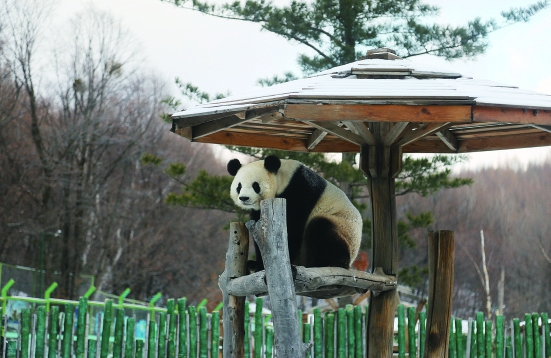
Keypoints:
pixel 430 111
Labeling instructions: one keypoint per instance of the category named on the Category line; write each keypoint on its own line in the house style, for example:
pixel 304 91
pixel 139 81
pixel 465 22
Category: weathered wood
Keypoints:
pixel 338 131
pixel 448 139
pixel 204 129
pixel 309 280
pixel 361 129
pixel 234 307
pixel 441 260
pixel 270 233
pixel 511 115
pixel 382 307
pixel 378 112
pixel 417 132
pixel 315 138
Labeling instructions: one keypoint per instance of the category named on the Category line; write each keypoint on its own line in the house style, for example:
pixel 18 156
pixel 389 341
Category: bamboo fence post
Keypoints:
pixel 215 335
pixel 258 328
pixel 129 341
pixel 40 332
pixel 452 350
pixel 545 328
pixel 81 328
pixel 306 338
pixel 233 314
pixel 529 336
pixel 441 261
pixel 203 333
pixel 412 346
pixel 329 328
pixel 499 337
pixel 68 331
pixel 25 331
pixel 182 328
pixel 106 331
pixel 161 345
pixel 139 348
pixel 52 341
pixel 269 341
pixel 192 331
pixel 401 332
pixel 246 332
pixel 270 233
pixel 358 331
pixel 341 333
pixel 488 338
pixel 350 329
pixel 517 338
pixel 537 338
pixel 422 333
pixel 119 331
pixel 171 341
pixel 459 337
pixel 318 337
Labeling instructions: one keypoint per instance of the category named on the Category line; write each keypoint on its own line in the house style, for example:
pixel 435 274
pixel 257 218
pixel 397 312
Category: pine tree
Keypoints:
pixel 340 31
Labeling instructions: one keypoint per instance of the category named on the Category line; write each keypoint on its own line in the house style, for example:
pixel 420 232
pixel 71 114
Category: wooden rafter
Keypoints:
pixel 448 139
pixel 362 130
pixel 338 131
pixel 414 132
pixel 315 138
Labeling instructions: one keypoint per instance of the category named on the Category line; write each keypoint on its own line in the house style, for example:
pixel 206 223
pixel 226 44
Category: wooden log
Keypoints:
pixel 441 260
pixel 234 307
pixel 317 282
pixel 270 233
pixel 379 164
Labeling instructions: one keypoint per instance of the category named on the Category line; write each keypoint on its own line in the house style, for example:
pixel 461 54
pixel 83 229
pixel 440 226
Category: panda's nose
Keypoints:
pixel 244 198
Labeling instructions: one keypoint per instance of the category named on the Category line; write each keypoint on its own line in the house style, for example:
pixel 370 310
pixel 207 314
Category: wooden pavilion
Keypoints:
pixel 380 106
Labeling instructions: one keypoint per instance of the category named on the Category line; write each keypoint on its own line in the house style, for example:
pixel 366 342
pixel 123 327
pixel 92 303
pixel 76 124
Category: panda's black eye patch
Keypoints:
pixel 256 187
pixel 238 188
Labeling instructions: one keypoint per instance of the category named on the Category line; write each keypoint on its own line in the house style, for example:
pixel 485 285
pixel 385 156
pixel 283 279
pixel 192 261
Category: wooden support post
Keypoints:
pixel 234 307
pixel 441 260
pixel 380 164
pixel 270 233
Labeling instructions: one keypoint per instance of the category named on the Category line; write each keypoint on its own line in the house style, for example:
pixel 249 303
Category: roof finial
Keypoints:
pixel 383 53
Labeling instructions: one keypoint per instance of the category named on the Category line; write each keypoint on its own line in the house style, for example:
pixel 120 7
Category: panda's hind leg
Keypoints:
pixel 324 246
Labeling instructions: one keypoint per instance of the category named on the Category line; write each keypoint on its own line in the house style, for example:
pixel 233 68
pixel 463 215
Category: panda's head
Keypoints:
pixel 253 182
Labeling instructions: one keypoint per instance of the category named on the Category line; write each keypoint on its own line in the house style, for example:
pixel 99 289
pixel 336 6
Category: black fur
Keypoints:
pixel 272 163
pixel 233 166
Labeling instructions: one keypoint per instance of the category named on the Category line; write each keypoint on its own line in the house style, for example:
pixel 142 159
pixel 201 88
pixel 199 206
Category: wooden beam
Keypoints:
pixel 234 307
pixel 543 128
pixel 315 138
pixel 448 139
pixel 204 129
pixel 259 140
pixel 540 139
pixel 378 159
pixel 394 133
pixel 441 249
pixel 413 134
pixel 338 131
pixel 378 112
pixel 361 129
pixel 180 122
pixel 511 115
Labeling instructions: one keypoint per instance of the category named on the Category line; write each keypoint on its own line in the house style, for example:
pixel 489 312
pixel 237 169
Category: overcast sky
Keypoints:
pixel 222 55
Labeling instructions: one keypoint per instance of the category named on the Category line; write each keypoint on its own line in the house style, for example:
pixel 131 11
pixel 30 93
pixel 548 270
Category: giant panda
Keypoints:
pixel 323 226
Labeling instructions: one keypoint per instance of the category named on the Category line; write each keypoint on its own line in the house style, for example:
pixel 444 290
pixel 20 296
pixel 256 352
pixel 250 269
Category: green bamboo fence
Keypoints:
pixel 71 329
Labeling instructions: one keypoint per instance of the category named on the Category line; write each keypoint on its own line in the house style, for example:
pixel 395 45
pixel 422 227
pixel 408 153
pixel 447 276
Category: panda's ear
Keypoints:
pixel 272 163
pixel 233 166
